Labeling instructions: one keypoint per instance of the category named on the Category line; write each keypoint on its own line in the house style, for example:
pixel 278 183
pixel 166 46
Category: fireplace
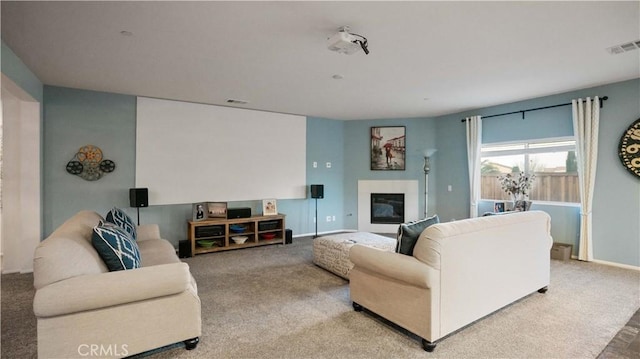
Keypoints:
pixel 387 208
pixel 367 187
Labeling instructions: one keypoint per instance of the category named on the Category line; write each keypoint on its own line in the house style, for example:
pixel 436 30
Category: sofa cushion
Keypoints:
pixel 116 247
pixel 408 233
pixel 156 252
pixel 120 218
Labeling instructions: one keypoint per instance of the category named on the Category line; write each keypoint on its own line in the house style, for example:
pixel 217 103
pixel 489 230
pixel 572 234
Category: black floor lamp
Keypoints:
pixel 317 191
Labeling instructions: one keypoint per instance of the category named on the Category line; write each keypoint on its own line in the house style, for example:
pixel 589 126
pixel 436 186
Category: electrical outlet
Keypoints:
pixel 328 164
pixel 449 188
pixel 328 218
pixel 314 219
pixel 333 218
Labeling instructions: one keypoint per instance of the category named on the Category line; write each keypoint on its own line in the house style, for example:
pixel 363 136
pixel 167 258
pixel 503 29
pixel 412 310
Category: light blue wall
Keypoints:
pixel 420 135
pixel 325 140
pixel 75 118
pixel 451 169
pixel 616 209
pixel 109 120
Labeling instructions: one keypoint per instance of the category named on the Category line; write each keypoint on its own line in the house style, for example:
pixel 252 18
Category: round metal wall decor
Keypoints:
pixel 630 148
pixel 89 165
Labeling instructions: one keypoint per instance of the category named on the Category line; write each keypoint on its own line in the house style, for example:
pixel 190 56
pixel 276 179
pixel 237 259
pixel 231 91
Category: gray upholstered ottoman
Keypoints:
pixel 331 252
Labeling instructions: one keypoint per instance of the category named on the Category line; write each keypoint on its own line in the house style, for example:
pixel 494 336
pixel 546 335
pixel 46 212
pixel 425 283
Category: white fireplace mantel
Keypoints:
pixel 366 187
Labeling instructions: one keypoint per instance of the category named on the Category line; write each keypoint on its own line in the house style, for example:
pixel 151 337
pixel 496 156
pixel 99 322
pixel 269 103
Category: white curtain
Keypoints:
pixel 586 118
pixel 474 141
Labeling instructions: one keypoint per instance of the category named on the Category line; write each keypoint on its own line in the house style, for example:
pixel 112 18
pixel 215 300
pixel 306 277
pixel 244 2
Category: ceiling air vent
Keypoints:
pixel 629 46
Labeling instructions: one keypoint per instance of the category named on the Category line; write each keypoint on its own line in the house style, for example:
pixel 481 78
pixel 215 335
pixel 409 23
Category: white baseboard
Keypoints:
pixel 619 265
pixel 327 232
pixel 612 264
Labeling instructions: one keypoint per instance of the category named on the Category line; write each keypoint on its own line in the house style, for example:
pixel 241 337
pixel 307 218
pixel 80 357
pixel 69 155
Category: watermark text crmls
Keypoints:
pixel 103 350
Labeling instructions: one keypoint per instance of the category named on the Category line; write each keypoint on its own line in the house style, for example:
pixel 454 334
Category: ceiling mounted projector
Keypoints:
pixel 347 43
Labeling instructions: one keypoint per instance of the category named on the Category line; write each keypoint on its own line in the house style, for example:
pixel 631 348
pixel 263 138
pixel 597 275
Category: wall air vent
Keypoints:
pixel 629 46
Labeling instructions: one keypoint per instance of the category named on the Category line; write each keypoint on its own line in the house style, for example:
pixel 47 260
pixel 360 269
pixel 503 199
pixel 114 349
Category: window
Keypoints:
pixel 552 160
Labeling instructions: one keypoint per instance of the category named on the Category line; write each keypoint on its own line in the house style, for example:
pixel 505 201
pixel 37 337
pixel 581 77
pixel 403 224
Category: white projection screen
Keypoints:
pixel 188 152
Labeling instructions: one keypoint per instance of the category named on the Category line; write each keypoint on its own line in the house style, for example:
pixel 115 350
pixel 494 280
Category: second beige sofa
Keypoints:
pixel 459 272
pixel 83 310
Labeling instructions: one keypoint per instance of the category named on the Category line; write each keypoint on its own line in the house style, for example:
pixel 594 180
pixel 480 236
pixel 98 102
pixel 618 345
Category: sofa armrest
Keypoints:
pixel 148 231
pixel 102 290
pixel 393 265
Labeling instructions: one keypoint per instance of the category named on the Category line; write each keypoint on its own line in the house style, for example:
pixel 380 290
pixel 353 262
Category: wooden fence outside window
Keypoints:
pixel 548 186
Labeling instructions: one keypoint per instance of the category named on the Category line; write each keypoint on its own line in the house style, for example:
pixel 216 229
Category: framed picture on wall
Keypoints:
pixel 498 206
pixel 388 148
pixel 199 212
pixel 269 207
pixel 217 209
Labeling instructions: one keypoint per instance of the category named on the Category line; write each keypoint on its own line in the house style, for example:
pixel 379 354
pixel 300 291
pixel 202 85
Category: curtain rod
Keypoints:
pixel 604 98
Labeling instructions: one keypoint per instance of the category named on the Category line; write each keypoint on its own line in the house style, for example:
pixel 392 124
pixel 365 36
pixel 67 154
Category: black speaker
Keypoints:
pixel 317 191
pixel 184 249
pixel 288 236
pixel 239 212
pixel 139 197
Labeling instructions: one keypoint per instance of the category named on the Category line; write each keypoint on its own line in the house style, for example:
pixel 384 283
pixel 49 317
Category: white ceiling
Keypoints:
pixel 427 58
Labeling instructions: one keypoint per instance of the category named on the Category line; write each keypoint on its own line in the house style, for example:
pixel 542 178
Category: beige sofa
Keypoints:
pixel 83 310
pixel 460 272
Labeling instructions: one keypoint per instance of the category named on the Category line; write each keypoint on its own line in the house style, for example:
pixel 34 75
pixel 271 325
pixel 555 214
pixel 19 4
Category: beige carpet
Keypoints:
pixel 272 302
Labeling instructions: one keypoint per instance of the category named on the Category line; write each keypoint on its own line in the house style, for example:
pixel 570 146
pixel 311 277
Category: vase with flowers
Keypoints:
pixel 518 186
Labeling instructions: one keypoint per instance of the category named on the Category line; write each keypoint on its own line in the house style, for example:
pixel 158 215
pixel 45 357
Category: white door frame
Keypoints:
pixel 20 201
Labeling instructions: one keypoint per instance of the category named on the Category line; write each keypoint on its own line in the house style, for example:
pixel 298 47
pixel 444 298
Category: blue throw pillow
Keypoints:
pixel 408 234
pixel 116 247
pixel 122 220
